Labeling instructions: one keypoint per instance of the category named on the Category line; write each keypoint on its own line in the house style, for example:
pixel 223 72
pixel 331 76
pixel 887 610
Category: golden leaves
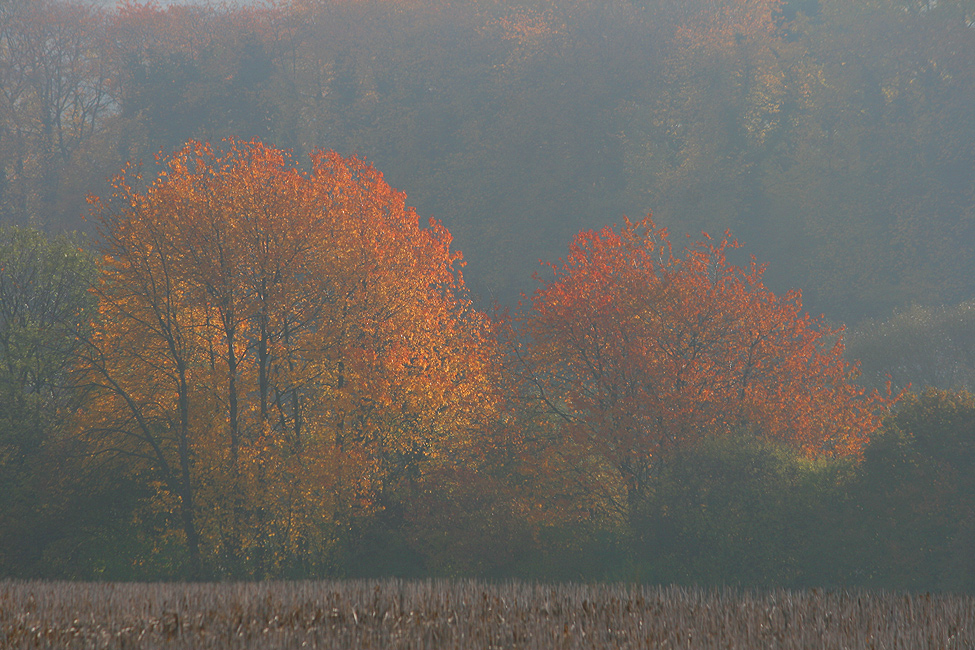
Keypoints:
pixel 276 325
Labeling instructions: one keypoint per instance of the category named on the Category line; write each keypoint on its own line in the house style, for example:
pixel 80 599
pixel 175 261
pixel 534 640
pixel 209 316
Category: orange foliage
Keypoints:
pixel 526 26
pixel 295 342
pixel 637 350
pixel 721 24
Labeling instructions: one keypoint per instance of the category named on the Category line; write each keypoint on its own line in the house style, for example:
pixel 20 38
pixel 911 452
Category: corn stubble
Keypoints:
pixel 470 615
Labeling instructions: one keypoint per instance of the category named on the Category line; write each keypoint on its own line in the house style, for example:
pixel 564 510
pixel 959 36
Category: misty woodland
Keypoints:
pixel 253 357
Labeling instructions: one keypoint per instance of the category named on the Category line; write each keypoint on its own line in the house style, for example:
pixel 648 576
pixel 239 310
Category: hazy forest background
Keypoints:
pixel 834 138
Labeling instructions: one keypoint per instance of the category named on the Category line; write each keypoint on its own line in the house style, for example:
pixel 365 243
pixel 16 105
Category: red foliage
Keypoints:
pixel 637 349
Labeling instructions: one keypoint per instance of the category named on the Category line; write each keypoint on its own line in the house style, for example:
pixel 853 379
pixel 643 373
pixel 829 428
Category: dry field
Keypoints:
pixel 470 616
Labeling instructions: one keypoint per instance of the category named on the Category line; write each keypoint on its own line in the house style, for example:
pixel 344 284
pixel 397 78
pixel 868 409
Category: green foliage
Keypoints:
pixel 915 498
pixel 44 303
pixel 739 510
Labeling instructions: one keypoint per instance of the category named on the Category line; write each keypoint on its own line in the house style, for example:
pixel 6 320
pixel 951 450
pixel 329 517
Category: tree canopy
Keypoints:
pixel 278 348
pixel 830 136
pixel 636 350
pixel 273 367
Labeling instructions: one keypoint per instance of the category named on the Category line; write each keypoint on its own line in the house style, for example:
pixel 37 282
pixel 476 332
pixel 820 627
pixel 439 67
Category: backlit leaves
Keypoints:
pixel 281 347
pixel 638 349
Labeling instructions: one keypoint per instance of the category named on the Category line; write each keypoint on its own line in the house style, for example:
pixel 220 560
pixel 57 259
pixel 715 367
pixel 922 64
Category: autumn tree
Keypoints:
pixel 635 350
pixel 278 348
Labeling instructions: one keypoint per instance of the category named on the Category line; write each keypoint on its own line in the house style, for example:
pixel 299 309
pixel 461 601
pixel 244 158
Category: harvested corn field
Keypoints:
pixel 470 616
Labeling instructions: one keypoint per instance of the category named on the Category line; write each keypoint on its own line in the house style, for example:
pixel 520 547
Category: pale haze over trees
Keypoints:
pixel 832 139
pixel 267 356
